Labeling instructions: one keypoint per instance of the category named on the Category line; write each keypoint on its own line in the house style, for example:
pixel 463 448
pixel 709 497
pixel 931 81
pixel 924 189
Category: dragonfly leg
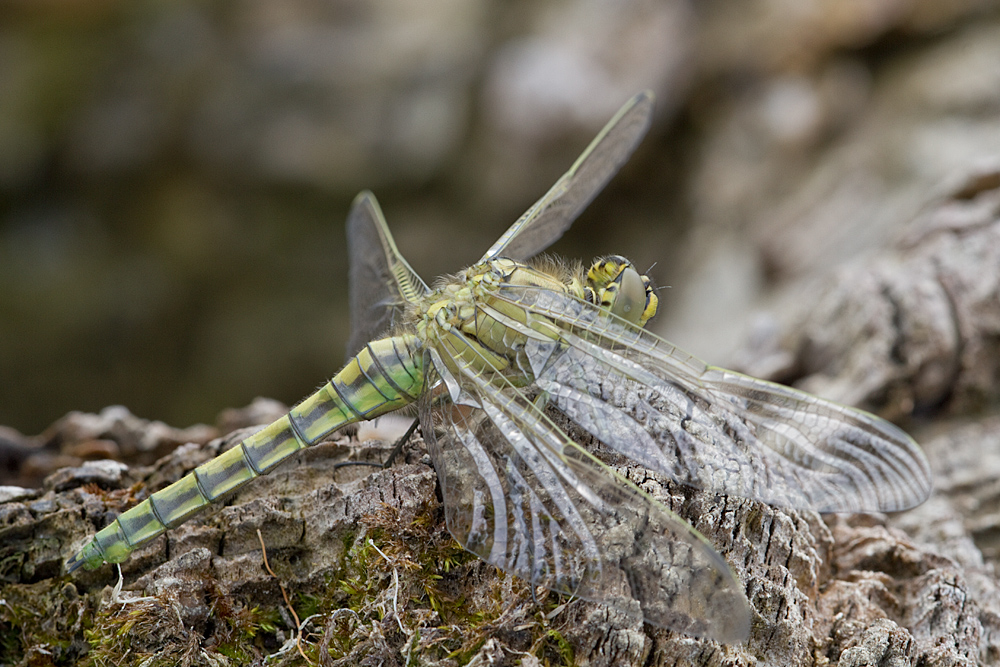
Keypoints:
pixel 396 449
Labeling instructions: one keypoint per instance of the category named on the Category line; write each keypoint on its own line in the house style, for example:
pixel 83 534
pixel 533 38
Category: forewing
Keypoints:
pixel 552 215
pixel 712 428
pixel 380 280
pixel 522 496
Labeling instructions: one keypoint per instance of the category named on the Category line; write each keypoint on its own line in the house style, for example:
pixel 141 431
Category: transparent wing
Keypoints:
pixel 522 496
pixel 712 428
pixel 552 215
pixel 380 280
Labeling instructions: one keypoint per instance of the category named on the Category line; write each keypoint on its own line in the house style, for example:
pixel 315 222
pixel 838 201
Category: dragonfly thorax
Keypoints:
pixel 473 317
pixel 612 282
pixel 467 317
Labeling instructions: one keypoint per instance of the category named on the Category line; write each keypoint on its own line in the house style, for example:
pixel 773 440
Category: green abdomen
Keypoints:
pixel 387 374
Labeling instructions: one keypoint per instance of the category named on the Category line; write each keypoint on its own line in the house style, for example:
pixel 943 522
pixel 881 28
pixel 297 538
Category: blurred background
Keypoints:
pixel 174 176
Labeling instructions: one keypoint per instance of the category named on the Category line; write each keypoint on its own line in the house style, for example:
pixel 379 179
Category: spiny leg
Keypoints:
pixel 396 449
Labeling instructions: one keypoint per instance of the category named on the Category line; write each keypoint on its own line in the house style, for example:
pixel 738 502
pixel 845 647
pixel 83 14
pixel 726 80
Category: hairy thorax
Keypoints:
pixel 477 317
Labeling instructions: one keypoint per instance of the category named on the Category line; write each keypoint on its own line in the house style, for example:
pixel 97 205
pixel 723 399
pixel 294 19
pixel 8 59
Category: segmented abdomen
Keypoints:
pixel 384 376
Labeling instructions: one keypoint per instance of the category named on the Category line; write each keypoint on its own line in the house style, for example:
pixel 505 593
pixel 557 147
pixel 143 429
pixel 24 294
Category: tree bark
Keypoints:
pixel 364 554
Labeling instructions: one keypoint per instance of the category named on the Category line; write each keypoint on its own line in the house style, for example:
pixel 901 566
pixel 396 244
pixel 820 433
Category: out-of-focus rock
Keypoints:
pixel 914 328
pixel 799 172
pixel 566 76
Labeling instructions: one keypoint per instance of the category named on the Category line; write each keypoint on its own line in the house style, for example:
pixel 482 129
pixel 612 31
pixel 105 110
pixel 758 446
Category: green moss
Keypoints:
pixel 242 629
pixel 151 632
pixel 403 590
pixel 398 592
pixel 553 649
pixel 38 623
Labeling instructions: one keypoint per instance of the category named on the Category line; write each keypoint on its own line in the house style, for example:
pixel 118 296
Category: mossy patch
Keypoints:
pixel 402 593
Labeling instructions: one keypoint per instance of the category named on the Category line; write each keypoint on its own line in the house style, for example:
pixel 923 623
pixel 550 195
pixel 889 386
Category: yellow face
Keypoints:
pixel 614 284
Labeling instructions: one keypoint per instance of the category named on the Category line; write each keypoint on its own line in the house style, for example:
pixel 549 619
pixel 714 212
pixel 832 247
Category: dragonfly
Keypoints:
pixel 514 365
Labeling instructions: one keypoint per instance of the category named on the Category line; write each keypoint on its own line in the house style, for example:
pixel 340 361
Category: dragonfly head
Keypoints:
pixel 613 283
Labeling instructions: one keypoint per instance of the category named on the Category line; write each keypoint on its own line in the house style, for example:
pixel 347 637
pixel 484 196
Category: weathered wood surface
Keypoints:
pixel 366 555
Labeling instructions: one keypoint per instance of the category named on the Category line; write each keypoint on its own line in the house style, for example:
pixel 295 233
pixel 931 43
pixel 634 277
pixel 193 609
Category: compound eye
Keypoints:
pixel 630 300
